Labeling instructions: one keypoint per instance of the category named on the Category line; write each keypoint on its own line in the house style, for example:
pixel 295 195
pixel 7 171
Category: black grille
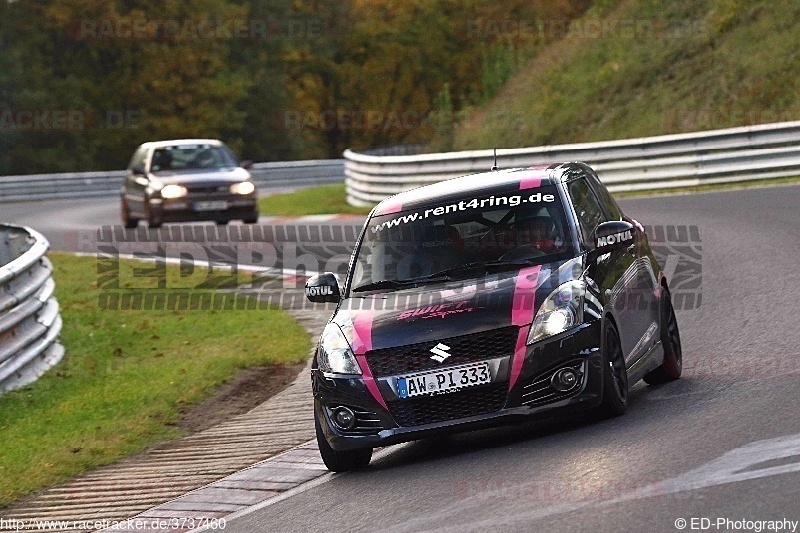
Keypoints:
pixel 463 349
pixel 539 391
pixel 367 422
pixel 430 409
pixel 202 188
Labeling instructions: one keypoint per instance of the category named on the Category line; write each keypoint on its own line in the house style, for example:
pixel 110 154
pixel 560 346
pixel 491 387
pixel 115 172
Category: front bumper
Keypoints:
pixel 190 208
pixel 471 408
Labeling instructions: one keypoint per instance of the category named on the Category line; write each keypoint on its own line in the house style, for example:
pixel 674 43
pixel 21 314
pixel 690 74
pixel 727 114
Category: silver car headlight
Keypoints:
pixel 173 191
pixel 244 187
pixel 561 310
pixel 334 354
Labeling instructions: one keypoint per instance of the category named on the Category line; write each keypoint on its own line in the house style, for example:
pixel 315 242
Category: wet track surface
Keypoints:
pixel 722 442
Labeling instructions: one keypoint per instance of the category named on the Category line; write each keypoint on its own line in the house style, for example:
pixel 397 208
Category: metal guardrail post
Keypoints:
pixel 29 318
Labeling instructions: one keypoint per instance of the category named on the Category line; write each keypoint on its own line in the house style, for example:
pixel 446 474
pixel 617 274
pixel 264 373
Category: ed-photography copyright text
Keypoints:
pixel 696 523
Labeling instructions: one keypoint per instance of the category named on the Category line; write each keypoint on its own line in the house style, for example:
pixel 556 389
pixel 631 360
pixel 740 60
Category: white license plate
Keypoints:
pixel 442 381
pixel 211 205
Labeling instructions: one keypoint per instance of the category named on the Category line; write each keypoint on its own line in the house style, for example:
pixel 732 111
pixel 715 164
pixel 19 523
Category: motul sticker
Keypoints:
pixel 615 237
pixel 323 290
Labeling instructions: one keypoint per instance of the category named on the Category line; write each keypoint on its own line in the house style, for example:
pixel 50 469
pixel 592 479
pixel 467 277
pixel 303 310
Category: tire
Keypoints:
pixel 221 222
pixel 672 366
pixel 615 375
pixel 342 461
pixel 253 219
pixel 127 221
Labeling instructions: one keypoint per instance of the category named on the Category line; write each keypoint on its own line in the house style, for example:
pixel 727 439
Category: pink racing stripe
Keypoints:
pixel 522 308
pixel 532 177
pixel 519 355
pixel 389 209
pixel 362 330
pixel 525 296
pixel 362 343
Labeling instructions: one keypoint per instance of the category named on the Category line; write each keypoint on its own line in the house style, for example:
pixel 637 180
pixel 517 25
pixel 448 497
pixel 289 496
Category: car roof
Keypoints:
pixel 475 185
pixel 178 142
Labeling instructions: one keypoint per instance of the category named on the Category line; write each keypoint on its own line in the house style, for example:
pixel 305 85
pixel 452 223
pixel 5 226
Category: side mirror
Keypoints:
pixel 614 235
pixel 323 288
pixel 246 164
pixel 138 169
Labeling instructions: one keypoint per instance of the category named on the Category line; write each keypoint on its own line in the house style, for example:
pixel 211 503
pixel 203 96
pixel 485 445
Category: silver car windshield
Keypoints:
pixel 191 157
pixel 463 239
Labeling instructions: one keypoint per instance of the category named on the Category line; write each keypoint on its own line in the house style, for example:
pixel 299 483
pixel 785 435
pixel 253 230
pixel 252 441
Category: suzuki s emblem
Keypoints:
pixel 440 352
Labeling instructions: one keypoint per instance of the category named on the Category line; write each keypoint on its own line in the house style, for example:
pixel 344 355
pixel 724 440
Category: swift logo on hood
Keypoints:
pixel 440 352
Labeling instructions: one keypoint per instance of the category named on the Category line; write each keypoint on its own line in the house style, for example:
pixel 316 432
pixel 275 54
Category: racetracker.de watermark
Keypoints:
pixel 370 120
pixel 639 29
pixel 126 524
pixel 195 29
pixel 680 120
pixel 48 119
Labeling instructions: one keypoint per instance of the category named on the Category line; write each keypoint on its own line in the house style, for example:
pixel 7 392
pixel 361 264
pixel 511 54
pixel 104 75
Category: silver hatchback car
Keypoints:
pixel 187 180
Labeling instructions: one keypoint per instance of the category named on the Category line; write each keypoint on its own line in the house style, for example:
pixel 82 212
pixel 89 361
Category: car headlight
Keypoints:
pixel 334 354
pixel 561 310
pixel 173 191
pixel 244 187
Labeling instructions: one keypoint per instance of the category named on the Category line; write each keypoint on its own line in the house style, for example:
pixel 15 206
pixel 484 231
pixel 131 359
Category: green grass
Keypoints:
pixel 705 65
pixel 126 377
pixel 711 187
pixel 322 200
pixel 298 202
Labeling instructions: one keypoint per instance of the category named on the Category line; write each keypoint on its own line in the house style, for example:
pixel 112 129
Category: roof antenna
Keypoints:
pixel 495 168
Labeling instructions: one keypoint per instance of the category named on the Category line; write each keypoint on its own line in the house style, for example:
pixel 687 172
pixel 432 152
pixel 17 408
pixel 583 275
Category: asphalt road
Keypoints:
pixel 67 222
pixel 723 442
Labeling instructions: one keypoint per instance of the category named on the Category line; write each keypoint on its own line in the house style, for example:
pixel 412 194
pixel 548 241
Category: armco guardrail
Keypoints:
pixel 718 156
pixel 29 319
pixel 83 184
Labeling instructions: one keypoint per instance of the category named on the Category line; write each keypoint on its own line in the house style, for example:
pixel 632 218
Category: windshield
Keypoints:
pixel 192 157
pixel 475 236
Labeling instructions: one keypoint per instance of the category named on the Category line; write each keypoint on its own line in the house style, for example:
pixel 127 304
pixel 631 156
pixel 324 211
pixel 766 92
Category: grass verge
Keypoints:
pixel 711 187
pixel 304 202
pixel 322 200
pixel 126 378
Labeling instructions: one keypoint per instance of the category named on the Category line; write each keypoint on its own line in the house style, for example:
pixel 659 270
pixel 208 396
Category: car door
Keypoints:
pixel 614 273
pixel 645 298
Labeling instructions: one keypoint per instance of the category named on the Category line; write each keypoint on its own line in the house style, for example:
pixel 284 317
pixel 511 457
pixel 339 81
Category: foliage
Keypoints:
pixel 685 67
pixel 325 76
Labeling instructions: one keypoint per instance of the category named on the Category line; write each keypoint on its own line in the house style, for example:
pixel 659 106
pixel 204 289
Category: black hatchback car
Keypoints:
pixel 487 300
pixel 186 180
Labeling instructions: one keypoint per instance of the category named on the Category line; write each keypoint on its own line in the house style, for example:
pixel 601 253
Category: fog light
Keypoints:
pixel 564 380
pixel 344 418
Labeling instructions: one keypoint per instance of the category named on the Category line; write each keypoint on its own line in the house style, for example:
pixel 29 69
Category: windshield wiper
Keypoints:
pixel 400 283
pixel 382 284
